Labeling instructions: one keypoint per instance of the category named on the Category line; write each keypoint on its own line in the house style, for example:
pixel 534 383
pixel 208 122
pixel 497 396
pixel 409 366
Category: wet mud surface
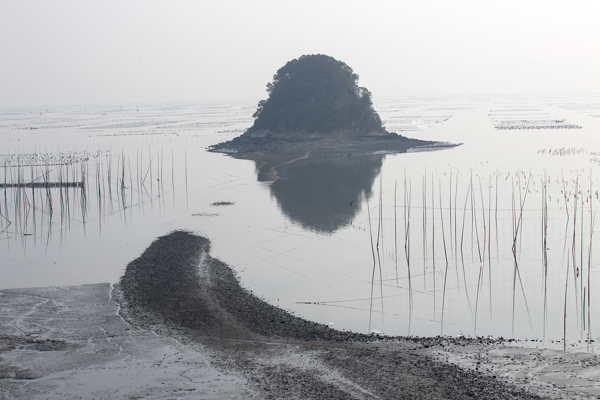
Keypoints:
pixel 70 343
pixel 280 355
pixel 180 325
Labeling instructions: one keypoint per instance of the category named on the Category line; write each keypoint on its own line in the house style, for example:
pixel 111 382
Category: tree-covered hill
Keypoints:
pixel 316 95
pixel 315 107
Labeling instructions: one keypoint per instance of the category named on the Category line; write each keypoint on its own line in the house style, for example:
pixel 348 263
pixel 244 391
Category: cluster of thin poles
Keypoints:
pixel 484 218
pixel 32 197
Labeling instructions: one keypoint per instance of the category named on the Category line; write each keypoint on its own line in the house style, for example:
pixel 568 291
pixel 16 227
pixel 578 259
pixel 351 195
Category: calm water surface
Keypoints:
pixel 448 242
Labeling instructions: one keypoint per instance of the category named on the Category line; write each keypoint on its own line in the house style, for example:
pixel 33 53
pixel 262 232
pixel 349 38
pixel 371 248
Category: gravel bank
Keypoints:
pixel 176 287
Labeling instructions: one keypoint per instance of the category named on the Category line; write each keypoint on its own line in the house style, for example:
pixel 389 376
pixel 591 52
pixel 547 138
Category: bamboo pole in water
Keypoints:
pixel 483 220
pixel 33 201
pixel 84 175
pixel 374 265
pixel 67 194
pixel 407 198
pixel 186 181
pixel 545 253
pixel 395 231
pixel 62 199
pixel 173 176
pixel 462 256
pixel 130 183
pixel 574 248
pixel 122 187
pixel 517 226
pixel 589 322
pixel 379 231
pixel 581 265
pixel 450 214
pixel 567 211
pixel 446 257
pixel 424 193
pixel 159 181
pixel 473 218
pixel 150 169
pixel 138 174
pixel 452 254
pixel 481 256
pixel 496 219
pixel 380 220
pixel 456 225
pixel 109 179
pixel 489 240
pixel 117 185
pixel 48 194
pixel 565 308
pixel 101 193
pixel 6 210
pixel 520 233
pixel 514 230
pixel 433 241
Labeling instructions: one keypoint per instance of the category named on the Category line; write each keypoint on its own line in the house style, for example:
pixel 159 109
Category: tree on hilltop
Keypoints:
pixel 317 94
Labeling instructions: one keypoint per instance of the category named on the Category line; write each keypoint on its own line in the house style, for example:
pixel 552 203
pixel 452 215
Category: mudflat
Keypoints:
pixel 70 343
pixel 180 325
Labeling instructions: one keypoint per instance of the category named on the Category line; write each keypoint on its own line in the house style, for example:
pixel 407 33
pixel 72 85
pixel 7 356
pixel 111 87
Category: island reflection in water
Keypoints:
pixel 325 195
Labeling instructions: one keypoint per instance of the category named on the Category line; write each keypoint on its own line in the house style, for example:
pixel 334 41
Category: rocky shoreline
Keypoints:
pixel 177 287
pixel 273 153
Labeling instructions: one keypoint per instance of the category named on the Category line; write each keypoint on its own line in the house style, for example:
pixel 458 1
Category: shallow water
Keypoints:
pixel 361 243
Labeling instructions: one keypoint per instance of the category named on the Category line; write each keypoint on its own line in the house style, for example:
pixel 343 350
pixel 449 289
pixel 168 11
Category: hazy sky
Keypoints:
pixel 85 52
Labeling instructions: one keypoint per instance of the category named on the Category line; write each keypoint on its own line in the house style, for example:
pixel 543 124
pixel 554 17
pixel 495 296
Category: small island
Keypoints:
pixel 315 108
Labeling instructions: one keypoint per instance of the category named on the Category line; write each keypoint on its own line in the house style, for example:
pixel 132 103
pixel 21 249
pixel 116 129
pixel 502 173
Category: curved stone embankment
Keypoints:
pixel 176 285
